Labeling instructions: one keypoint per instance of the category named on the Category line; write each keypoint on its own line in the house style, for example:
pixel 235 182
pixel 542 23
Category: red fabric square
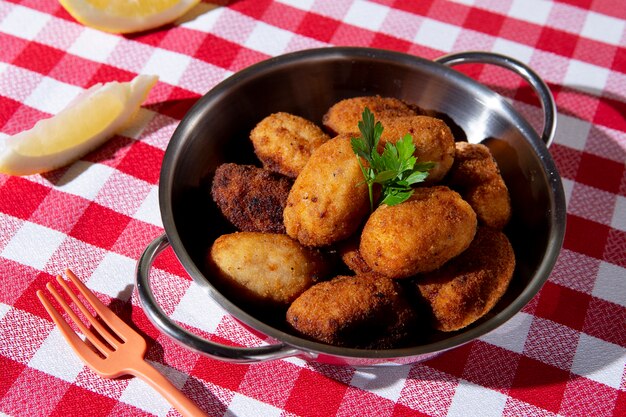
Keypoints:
pixel 150 37
pixel 539 384
pixel 39 58
pixel 111 152
pixel 585 236
pixel 168 262
pixel 318 27
pixel 417 7
pixel 135 237
pixel 245 58
pixel 315 394
pixel 491 366
pixel 100 226
pixel 220 373
pixel 11 370
pixel 620 404
pixel 106 73
pixel 566 159
pixel 254 9
pixel 557 41
pixel 20 197
pixel 605 320
pixel 389 42
pixel 563 305
pixel 8 107
pixel 217 51
pixel 484 21
pixel 594 52
pixel 452 361
pixel 584 397
pixel 347 35
pixel 401 410
pixel 142 161
pixel 611 113
pixel 601 173
pixel 615 249
pixel 78 401
pixel 619 60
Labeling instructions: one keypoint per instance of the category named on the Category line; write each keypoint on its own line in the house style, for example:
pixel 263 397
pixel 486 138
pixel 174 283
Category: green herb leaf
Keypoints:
pixel 396 169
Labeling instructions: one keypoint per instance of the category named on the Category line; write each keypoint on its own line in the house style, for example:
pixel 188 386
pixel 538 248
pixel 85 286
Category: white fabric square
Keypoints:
pixel 268 39
pixel 568 187
pixel 242 405
pixel 619 215
pixel 149 211
pixel 366 14
pixel 52 96
pixel 437 35
pixel 33 245
pixel 56 357
pixel 610 283
pixel 513 49
pixel 206 318
pixel 538 12
pixel 84 179
pixel 512 334
pixel 572 131
pixel 599 361
pixel 115 276
pixel 169 66
pixel 84 45
pixel 580 74
pixel 387 382
pixel 24 22
pixel 603 28
pixel 473 400
pixel 139 394
pixel 4 309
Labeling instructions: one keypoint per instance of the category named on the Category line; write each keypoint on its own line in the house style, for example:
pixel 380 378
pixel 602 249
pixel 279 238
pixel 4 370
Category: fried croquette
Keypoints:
pixel 251 198
pixel 329 199
pixel 363 311
pixel 351 256
pixel 419 235
pixel 284 142
pixel 432 138
pixel 467 287
pixel 476 176
pixel 345 115
pixel 265 269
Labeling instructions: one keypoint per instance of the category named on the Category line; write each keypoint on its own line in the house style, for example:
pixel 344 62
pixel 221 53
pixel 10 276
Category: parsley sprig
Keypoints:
pixel 396 169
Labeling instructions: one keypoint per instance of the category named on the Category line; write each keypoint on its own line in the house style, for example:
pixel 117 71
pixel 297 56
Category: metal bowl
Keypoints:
pixel 307 83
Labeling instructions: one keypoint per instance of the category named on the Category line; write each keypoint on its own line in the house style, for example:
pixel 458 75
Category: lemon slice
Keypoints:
pixel 82 126
pixel 124 16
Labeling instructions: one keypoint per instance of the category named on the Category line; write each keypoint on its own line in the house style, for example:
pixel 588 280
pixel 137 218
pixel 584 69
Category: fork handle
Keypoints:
pixel 164 386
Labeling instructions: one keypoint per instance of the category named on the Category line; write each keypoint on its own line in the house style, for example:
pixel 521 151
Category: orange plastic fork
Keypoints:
pixel 121 349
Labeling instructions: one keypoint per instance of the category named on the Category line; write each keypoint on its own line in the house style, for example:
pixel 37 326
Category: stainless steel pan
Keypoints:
pixel 307 83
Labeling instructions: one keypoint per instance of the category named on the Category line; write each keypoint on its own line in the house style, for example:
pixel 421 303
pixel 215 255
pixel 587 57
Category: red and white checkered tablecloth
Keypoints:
pixel 564 354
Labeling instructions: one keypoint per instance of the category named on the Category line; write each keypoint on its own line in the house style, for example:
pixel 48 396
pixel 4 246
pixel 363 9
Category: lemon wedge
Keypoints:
pixel 86 123
pixel 124 16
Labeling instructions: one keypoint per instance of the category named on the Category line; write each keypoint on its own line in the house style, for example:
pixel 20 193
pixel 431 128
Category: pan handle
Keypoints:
pixel 190 340
pixel 548 104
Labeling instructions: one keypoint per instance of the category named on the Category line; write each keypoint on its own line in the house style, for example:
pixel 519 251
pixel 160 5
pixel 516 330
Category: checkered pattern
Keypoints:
pixel 563 355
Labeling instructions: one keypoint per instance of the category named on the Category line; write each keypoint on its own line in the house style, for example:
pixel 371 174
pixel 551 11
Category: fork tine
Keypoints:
pixel 102 331
pixel 68 333
pixel 106 314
